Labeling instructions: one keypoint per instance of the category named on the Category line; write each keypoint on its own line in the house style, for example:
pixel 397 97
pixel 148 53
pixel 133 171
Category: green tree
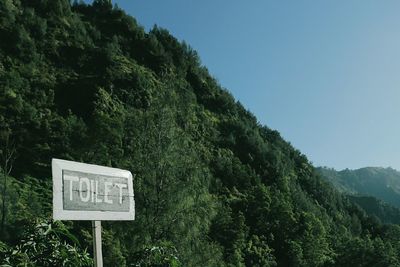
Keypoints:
pixel 45 244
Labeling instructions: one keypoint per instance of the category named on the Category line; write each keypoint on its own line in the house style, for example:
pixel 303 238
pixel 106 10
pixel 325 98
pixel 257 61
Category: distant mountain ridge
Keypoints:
pixel 383 183
pixel 375 189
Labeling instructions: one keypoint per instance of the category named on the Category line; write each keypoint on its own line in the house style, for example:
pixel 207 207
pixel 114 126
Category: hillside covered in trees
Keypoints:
pixel 382 183
pixel 374 189
pixel 213 187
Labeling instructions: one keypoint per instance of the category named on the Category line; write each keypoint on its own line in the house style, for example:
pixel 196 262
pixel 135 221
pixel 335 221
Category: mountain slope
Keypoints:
pixel 375 190
pixel 373 206
pixel 213 187
pixel 382 183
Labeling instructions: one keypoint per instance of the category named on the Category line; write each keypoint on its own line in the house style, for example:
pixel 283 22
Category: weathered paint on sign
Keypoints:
pixel 90 192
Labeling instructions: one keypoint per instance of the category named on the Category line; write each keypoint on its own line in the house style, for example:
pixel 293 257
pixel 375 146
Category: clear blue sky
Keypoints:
pixel 323 73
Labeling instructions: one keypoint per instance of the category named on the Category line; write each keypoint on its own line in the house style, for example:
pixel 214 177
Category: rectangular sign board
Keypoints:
pixel 91 192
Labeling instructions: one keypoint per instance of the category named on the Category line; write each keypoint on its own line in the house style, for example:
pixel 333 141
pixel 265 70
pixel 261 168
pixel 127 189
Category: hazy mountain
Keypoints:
pixel 382 183
pixel 373 206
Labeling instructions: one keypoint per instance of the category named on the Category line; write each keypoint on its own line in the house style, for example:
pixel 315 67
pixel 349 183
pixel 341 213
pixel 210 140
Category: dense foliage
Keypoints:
pixel 213 187
pixel 376 207
pixel 43 245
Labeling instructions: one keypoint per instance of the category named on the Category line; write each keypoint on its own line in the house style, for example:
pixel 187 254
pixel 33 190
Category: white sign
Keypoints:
pixel 91 192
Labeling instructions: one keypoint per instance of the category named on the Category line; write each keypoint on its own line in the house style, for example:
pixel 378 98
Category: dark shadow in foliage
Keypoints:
pixel 77 96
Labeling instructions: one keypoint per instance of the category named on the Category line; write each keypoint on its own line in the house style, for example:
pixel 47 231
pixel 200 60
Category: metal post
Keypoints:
pixel 98 255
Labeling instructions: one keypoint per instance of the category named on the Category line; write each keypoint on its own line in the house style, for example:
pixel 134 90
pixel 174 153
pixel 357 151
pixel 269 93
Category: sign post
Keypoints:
pixel 97 251
pixel 91 192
